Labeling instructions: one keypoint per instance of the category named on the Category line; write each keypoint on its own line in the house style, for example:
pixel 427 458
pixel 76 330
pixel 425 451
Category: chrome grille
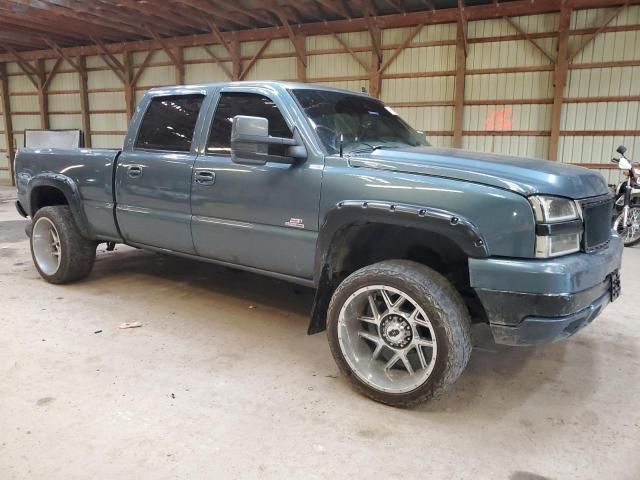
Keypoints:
pixel 596 214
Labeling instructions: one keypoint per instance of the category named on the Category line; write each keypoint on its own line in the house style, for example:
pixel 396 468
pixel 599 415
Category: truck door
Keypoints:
pixel 153 176
pixel 260 216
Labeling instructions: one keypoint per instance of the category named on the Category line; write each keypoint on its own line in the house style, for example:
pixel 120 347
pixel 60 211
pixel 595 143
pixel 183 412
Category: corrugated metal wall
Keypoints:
pixel 599 83
pixel 508 85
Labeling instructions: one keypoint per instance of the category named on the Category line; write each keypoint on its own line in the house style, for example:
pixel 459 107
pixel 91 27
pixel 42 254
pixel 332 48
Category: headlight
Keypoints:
pixel 558 226
pixel 553 209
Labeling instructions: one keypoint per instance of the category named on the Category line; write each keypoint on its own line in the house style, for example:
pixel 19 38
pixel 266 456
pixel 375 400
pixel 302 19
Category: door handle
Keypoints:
pixel 134 171
pixel 205 177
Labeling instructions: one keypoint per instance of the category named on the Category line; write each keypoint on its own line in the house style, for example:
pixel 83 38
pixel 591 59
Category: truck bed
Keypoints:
pixel 88 174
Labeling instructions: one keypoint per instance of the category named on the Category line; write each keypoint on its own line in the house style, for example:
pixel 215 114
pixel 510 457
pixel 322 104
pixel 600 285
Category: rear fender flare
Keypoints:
pixel 348 213
pixel 69 189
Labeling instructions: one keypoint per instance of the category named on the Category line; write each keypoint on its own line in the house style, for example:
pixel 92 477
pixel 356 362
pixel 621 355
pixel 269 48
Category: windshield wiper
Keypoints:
pixel 368 148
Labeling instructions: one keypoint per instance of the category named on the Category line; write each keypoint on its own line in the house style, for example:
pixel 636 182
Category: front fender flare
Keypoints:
pixel 454 226
pixel 69 189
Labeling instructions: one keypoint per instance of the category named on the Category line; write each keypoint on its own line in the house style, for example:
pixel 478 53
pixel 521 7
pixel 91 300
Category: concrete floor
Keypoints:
pixel 222 382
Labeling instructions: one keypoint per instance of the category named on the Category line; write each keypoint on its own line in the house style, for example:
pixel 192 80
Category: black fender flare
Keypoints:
pixel 348 213
pixel 69 189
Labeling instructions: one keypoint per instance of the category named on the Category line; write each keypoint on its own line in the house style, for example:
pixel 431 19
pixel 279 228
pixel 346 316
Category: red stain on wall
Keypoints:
pixel 499 119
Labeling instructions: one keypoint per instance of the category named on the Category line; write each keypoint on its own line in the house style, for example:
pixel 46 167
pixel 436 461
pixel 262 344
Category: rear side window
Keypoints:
pixel 169 123
pixel 232 104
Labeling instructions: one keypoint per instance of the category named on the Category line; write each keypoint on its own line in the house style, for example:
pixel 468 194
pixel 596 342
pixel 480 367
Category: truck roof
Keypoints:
pixel 274 84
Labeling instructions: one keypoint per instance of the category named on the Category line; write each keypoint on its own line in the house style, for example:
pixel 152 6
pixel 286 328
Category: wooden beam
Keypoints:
pixel 31 73
pixel 292 36
pixel 108 54
pixel 610 18
pixel 85 108
pixel 254 59
pixel 531 40
pixel 458 109
pixel 218 36
pixel 301 66
pixel 559 80
pixel 444 15
pixel 52 73
pixel 43 99
pixel 396 4
pixel 463 20
pixel 243 11
pixel 218 61
pixel 374 30
pixel 236 63
pixel 400 48
pixel 62 54
pixel 179 67
pixel 344 44
pixel 174 55
pixel 143 67
pixel 375 77
pixel 129 87
pixel 6 117
pixel 335 7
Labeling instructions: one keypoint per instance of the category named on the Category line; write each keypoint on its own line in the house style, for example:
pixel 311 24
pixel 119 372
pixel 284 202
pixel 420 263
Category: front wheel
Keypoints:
pixel 399 331
pixel 630 233
pixel 60 253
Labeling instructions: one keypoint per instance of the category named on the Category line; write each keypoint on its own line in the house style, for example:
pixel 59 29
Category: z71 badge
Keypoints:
pixel 295 222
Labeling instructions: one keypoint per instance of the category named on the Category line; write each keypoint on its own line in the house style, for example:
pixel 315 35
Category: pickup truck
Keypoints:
pixel 406 245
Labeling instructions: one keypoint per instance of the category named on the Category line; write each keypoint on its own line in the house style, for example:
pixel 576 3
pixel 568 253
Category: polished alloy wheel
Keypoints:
pixel 629 233
pixel 46 246
pixel 387 339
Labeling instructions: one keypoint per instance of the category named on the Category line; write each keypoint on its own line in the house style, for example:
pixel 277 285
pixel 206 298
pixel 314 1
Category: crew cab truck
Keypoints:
pixel 406 245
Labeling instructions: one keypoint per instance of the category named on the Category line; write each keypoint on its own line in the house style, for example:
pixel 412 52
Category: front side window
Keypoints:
pixel 169 123
pixel 250 104
pixel 360 121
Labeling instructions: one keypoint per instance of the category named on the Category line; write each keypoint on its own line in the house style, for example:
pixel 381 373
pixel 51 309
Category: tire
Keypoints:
pixel 630 237
pixel 68 259
pixel 364 359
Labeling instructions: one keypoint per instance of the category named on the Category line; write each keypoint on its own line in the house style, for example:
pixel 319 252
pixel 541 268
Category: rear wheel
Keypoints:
pixel 60 253
pixel 630 233
pixel 399 331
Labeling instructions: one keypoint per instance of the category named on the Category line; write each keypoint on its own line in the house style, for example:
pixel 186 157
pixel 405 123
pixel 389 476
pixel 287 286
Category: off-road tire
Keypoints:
pixel 78 253
pixel 446 311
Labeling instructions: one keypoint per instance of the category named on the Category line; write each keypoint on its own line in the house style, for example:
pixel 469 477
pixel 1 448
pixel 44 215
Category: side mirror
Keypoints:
pixel 621 149
pixel 250 142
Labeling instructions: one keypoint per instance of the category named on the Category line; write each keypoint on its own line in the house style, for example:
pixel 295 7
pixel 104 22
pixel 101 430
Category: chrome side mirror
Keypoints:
pixel 250 142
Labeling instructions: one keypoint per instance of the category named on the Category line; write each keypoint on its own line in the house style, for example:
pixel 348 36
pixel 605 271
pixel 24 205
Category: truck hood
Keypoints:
pixel 526 176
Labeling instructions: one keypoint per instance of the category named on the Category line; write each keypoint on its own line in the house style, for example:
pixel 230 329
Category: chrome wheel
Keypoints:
pixel 387 339
pixel 45 242
pixel 630 233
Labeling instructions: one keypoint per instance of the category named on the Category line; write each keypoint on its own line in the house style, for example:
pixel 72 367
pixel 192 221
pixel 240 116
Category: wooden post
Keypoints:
pixel 84 101
pixel 559 80
pixel 301 69
pixel 129 87
pixel 234 51
pixel 461 61
pixel 6 116
pixel 43 100
pixel 375 77
pixel 179 66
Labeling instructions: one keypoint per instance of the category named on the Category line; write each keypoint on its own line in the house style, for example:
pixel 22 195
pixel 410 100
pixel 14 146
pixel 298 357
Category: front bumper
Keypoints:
pixel 529 302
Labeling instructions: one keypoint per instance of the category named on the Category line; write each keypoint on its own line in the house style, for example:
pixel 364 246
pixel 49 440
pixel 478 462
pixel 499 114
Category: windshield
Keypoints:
pixel 363 122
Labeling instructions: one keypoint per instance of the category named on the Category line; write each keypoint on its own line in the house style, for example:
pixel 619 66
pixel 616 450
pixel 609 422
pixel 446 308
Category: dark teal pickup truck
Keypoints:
pixel 406 245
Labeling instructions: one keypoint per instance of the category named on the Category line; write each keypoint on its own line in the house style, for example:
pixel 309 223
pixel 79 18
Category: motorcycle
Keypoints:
pixel 627 223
